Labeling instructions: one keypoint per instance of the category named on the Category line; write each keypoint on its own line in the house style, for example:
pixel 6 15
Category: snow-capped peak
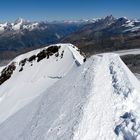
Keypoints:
pixel 34 72
pixel 19 20
pixel 21 23
pixel 17 25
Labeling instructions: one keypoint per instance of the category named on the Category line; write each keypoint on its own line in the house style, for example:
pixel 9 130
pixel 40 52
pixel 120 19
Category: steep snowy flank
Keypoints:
pixel 96 101
pixel 28 75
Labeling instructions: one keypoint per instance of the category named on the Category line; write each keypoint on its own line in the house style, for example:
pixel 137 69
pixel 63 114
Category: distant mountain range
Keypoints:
pixel 107 34
pixel 22 35
pixel 57 93
pixel 91 36
pixel 21 25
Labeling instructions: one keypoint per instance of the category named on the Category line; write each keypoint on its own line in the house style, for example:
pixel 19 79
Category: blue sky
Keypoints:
pixel 67 9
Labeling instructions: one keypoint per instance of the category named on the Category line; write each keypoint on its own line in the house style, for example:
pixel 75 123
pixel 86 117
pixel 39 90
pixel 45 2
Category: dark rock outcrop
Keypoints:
pixel 7 72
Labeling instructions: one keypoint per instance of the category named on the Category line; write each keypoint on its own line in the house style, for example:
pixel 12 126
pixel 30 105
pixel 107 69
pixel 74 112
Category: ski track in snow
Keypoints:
pixel 107 108
pixel 98 114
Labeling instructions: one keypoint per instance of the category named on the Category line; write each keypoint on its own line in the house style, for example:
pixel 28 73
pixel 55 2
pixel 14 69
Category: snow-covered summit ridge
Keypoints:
pixel 113 104
pixel 98 101
pixel 28 75
pixel 77 55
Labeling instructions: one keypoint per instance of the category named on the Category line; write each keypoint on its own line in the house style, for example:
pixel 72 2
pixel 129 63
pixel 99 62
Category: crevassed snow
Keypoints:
pixel 36 77
pixel 96 101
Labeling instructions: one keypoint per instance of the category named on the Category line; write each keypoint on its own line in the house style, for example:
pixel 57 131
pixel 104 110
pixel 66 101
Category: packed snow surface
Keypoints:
pixel 34 77
pixel 96 101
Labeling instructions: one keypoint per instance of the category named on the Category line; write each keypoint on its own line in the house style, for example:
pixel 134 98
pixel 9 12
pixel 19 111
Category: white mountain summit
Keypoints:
pixel 19 25
pixel 28 75
pixel 96 101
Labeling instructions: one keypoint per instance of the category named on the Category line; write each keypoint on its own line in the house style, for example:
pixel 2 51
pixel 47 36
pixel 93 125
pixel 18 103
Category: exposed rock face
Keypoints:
pixel 48 52
pixel 45 53
pixel 7 72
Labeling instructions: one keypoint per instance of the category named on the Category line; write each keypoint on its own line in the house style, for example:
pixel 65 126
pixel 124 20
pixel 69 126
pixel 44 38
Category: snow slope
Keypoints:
pixel 31 78
pixel 96 101
pixel 127 52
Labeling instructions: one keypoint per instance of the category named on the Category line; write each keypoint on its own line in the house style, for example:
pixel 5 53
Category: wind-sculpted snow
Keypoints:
pixel 96 101
pixel 28 75
pixel 128 125
pixel 120 81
